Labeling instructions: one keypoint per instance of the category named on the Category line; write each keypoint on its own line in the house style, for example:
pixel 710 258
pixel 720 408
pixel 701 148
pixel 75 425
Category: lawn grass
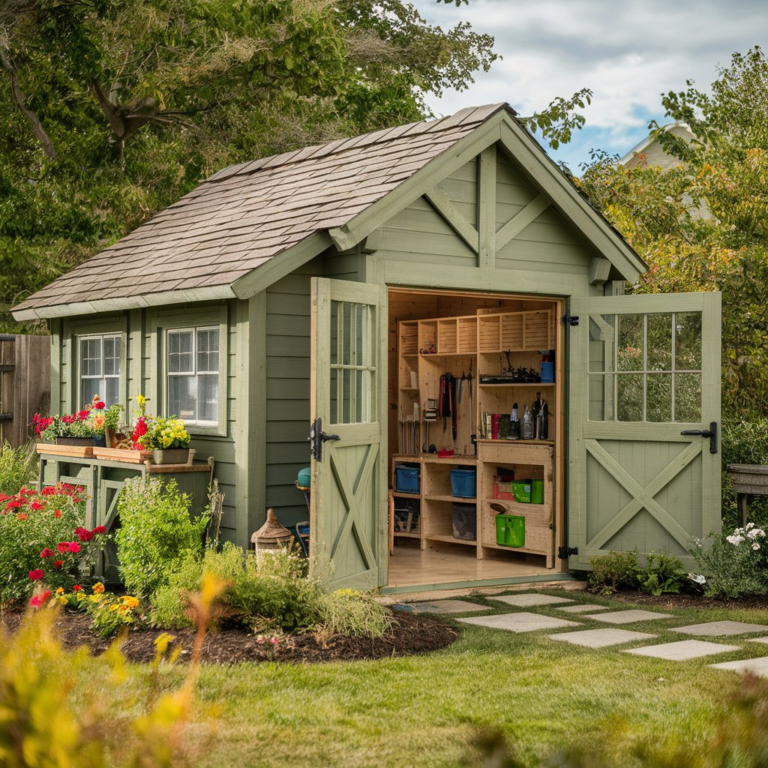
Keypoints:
pixel 427 710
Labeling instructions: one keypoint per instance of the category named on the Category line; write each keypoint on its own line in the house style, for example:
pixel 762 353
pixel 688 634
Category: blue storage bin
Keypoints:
pixel 464 483
pixel 407 479
pixel 547 373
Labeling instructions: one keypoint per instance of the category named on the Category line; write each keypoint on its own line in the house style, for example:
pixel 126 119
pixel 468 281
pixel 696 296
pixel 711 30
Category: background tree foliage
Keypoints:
pixel 113 109
pixel 703 225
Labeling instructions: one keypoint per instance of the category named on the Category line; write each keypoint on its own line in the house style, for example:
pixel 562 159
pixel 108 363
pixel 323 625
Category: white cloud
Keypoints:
pixel 628 53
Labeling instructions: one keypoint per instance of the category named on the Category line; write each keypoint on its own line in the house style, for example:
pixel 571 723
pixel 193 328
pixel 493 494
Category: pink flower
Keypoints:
pixel 63 546
pixel 37 601
pixel 100 405
pixel 74 546
pixel 36 575
pixel 46 553
pixel 99 530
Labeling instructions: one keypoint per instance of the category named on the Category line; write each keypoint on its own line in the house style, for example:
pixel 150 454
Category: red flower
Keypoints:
pixel 58 564
pixel 83 534
pixel 63 546
pixel 100 405
pixel 46 553
pixel 76 588
pixel 82 415
pixel 36 575
pixel 57 513
pixel 37 601
pixel 22 516
pixel 99 530
pixel 37 506
pixel 74 546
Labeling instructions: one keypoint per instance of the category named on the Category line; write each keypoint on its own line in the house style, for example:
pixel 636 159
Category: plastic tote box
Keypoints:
pixel 510 530
pixel 464 483
pixel 522 492
pixel 464 521
pixel 407 479
pixel 537 491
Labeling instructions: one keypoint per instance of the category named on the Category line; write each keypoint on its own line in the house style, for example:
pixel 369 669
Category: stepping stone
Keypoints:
pixel 628 617
pixel 720 628
pixel 447 606
pixel 519 622
pixel 582 608
pixel 682 650
pixel 757 640
pixel 601 638
pixel 758 667
pixel 530 599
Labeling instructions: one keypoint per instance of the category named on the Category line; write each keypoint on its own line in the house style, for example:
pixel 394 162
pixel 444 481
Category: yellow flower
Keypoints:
pixel 130 602
pixel 92 598
pixel 60 591
pixel 98 588
pixel 141 400
pixel 114 607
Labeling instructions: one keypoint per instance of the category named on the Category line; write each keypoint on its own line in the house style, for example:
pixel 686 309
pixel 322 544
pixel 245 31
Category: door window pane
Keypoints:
pixel 352 379
pixel 645 367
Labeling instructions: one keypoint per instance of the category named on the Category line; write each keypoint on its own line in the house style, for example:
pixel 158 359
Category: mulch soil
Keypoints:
pixel 689 601
pixel 409 635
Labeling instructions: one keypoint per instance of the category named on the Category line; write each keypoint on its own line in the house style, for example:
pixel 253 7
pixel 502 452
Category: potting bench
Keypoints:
pixel 748 480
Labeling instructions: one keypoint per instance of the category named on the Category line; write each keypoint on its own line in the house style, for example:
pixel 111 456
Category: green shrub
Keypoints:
pixel 663 573
pixel 269 592
pixel 734 565
pixel 614 571
pixel 349 612
pixel 157 533
pixel 743 442
pixel 18 467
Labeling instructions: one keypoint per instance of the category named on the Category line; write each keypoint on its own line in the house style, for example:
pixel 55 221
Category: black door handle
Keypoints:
pixel 711 433
pixel 316 439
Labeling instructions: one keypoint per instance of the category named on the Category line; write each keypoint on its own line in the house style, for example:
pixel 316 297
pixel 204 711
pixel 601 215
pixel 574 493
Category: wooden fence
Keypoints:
pixel 25 384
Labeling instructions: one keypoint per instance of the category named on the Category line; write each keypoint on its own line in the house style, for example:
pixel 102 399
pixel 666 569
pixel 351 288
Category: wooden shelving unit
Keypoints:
pixel 478 343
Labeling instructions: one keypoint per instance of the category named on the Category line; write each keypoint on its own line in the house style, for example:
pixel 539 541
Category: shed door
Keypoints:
pixel 643 370
pixel 348 500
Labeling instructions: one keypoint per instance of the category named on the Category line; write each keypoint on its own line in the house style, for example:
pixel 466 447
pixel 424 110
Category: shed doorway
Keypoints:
pixel 475 436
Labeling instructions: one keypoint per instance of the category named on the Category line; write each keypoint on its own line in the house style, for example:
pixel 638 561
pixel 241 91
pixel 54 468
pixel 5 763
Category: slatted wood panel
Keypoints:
pixel 409 339
pixel 467 330
pixel 447 337
pixel 489 333
pixel 512 336
pixel 539 330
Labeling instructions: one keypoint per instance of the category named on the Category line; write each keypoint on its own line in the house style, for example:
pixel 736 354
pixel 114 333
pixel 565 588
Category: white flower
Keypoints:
pixel 736 539
pixel 753 533
pixel 697 577
pixel 750 525
pixel 755 547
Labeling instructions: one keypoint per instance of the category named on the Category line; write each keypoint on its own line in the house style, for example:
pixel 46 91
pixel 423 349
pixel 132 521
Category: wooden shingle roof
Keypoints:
pixel 248 214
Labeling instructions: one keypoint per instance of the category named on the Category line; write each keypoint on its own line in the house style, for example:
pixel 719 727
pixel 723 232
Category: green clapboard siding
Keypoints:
pixel 288 381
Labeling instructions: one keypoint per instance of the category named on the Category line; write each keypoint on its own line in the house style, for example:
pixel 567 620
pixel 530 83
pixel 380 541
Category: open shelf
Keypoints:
pixel 457 499
pixel 450 539
pixel 407 535
pixel 517 384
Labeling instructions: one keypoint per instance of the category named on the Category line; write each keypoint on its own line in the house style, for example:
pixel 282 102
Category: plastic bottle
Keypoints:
pixel 527 427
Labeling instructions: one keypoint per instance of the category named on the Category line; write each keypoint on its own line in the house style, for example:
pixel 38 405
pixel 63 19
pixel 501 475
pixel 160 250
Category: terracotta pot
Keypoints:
pixel 171 456
pixel 74 441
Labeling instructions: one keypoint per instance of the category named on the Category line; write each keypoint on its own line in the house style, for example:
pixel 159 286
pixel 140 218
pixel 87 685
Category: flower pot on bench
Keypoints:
pixel 171 456
pixel 84 441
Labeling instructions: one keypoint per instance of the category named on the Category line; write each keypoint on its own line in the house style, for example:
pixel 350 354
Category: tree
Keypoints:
pixel 703 225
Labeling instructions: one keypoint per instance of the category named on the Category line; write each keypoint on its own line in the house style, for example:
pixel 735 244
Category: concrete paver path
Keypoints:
pixel 720 629
pixel 601 638
pixel 519 622
pixel 682 650
pixel 628 617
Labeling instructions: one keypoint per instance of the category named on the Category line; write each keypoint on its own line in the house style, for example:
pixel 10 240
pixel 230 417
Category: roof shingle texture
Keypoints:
pixel 247 214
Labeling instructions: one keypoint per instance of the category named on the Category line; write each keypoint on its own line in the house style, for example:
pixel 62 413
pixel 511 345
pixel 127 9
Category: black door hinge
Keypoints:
pixel 570 320
pixel 563 553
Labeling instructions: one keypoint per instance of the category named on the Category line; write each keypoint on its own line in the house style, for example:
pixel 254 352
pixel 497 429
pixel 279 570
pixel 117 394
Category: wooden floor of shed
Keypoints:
pixel 448 564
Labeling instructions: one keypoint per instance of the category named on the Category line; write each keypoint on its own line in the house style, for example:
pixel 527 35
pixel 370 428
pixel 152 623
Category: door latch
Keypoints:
pixel 316 439
pixel 571 320
pixel 711 433
pixel 563 553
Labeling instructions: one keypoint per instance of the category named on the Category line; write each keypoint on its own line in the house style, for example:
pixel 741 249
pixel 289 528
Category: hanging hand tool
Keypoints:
pixel 462 382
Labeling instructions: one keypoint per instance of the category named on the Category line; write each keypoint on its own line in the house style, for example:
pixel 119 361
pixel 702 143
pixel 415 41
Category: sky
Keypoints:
pixel 628 52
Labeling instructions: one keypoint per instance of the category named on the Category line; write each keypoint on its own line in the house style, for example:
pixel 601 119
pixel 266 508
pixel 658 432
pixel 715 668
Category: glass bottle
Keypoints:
pixel 527 427
pixel 514 424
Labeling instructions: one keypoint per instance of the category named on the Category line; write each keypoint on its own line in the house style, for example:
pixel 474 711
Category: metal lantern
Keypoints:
pixel 271 535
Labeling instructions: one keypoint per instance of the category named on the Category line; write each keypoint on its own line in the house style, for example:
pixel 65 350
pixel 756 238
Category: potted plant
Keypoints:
pixel 112 433
pixel 167 438
pixel 97 419
pixel 69 429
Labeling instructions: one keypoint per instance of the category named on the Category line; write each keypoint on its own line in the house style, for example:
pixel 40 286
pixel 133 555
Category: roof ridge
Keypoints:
pixel 465 116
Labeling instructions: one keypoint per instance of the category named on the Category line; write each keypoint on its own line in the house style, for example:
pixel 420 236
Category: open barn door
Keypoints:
pixel 348 516
pixel 644 421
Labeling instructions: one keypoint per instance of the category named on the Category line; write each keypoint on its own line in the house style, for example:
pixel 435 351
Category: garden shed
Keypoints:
pixel 393 293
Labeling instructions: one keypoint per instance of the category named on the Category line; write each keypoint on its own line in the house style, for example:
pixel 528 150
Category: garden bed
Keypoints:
pixel 690 601
pixel 409 635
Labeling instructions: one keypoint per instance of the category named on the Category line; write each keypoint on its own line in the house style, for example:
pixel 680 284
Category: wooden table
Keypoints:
pixel 748 480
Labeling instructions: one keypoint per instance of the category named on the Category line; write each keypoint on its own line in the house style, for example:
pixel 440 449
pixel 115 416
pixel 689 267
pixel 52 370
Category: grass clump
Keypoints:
pixel 18 467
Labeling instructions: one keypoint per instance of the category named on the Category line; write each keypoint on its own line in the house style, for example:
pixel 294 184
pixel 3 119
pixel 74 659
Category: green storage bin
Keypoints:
pixel 522 492
pixel 304 479
pixel 537 491
pixel 510 530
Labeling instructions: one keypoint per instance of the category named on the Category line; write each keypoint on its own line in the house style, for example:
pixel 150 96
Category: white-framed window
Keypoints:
pixel 193 375
pixel 100 368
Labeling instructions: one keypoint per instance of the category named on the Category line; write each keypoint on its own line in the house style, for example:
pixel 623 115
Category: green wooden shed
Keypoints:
pixel 399 297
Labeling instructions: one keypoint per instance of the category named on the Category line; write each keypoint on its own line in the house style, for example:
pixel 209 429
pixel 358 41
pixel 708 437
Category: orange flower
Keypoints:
pixel 22 516
pixel 98 588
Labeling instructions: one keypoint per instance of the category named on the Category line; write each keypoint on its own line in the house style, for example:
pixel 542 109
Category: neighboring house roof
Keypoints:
pixel 216 238
pixel 652 152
